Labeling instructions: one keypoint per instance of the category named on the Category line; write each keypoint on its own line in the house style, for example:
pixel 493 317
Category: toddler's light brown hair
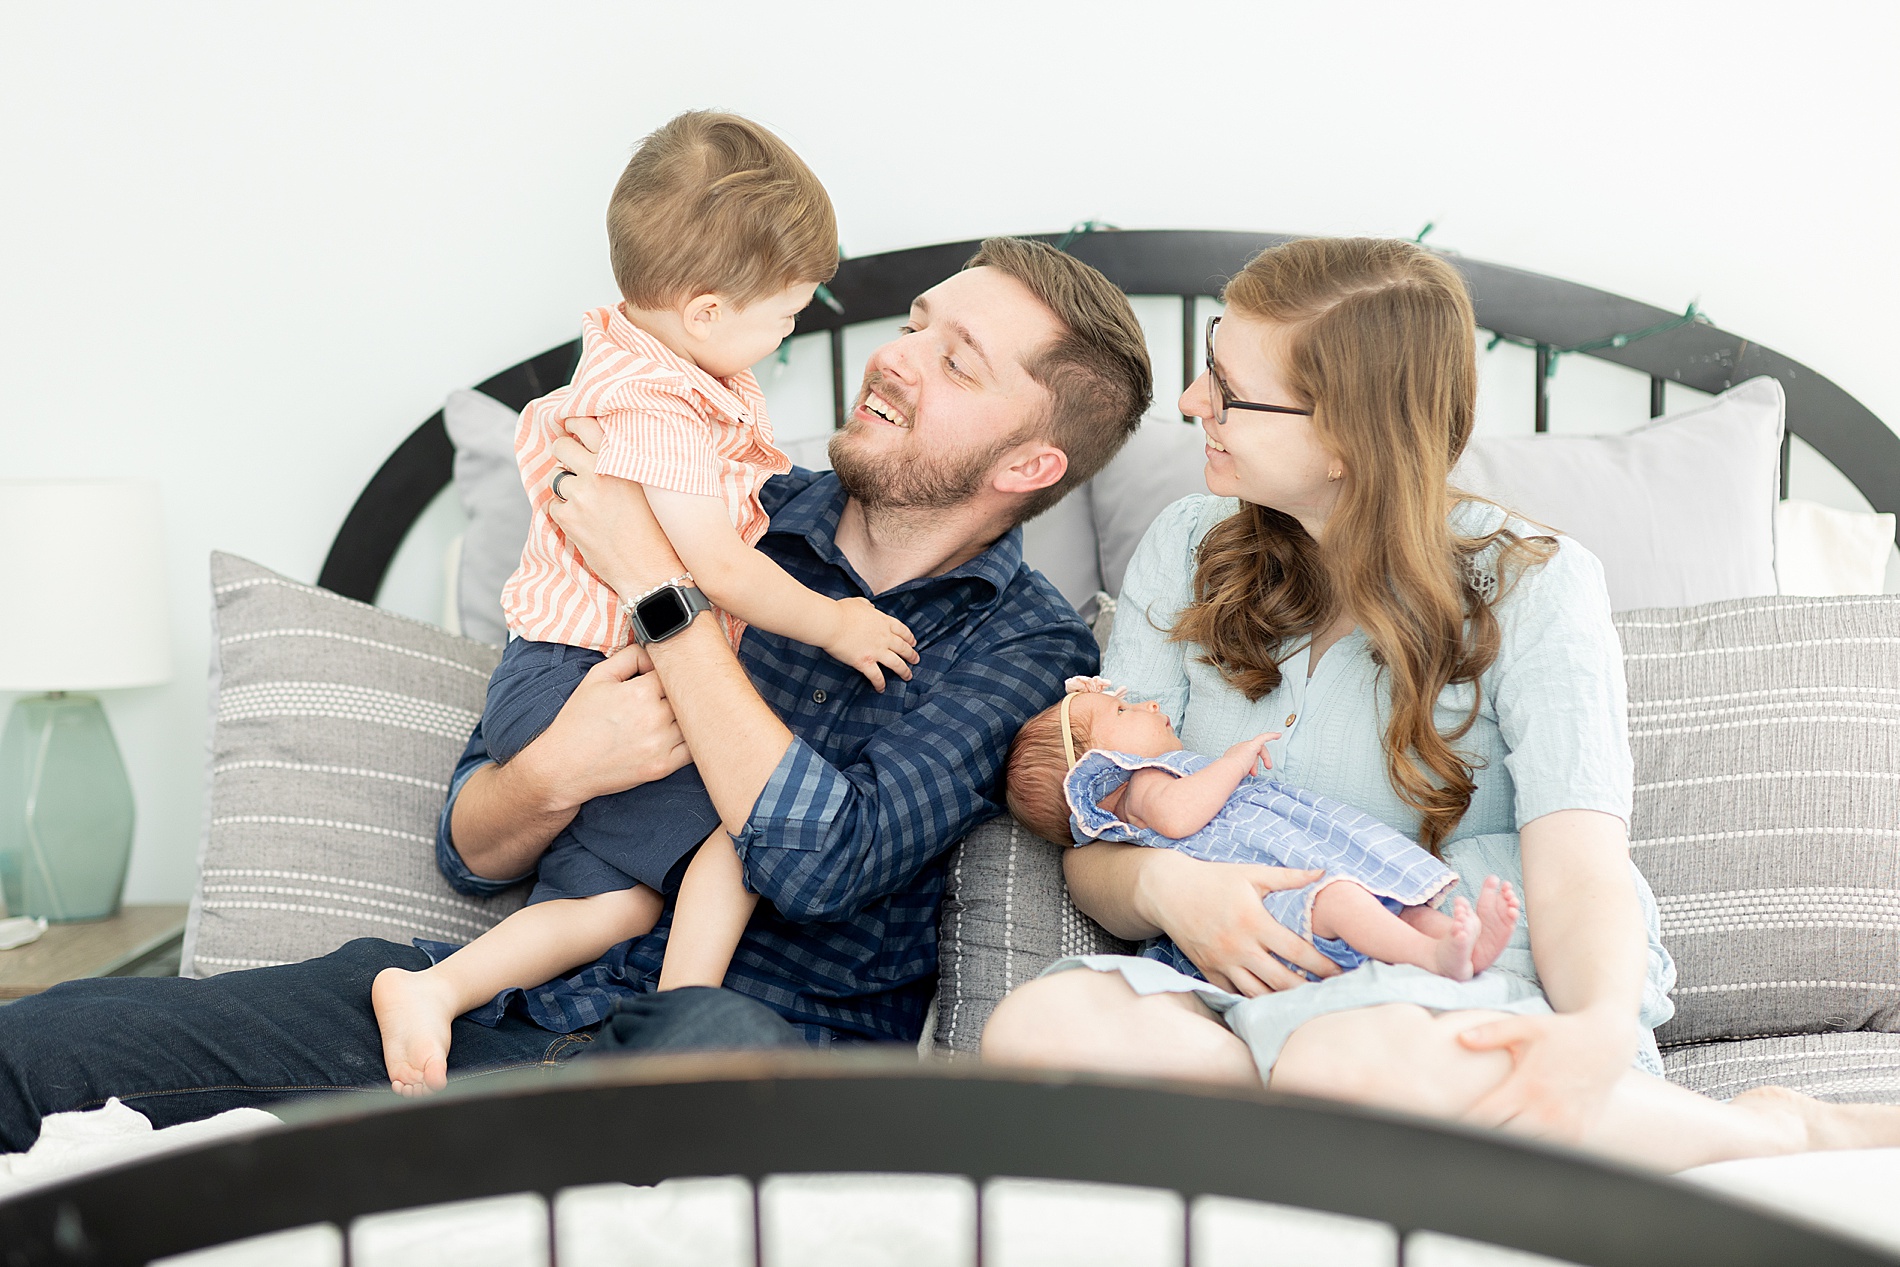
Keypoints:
pixel 712 203
pixel 1037 768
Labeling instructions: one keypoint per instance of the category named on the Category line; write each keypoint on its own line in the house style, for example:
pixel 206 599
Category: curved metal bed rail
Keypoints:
pixel 1187 263
pixel 640 1121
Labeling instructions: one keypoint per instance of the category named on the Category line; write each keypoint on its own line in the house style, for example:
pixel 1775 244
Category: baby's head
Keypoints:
pixel 717 222
pixel 1040 760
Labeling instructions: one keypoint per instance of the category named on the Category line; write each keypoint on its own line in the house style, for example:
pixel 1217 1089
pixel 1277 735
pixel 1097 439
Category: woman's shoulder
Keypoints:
pixel 1556 562
pixel 1182 524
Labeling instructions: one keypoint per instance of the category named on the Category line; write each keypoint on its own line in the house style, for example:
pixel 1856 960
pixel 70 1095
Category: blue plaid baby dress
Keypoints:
pixel 1268 822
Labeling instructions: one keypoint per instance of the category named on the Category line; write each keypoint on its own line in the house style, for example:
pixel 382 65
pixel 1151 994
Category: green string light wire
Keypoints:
pixel 1081 228
pixel 1692 315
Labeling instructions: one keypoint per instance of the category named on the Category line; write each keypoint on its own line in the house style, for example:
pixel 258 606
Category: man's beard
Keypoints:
pixel 908 481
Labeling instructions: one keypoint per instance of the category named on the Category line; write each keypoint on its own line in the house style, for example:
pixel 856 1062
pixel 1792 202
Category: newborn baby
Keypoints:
pixel 1134 782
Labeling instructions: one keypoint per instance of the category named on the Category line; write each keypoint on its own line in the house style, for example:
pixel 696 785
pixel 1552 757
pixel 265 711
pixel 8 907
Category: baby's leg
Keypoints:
pixel 533 945
pixel 1350 913
pixel 709 916
pixel 1498 909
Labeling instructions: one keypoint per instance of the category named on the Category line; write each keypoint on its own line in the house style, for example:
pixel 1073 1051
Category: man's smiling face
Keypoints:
pixel 943 403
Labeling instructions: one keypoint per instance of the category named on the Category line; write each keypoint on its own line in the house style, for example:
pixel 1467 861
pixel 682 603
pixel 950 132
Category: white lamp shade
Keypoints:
pixel 82 585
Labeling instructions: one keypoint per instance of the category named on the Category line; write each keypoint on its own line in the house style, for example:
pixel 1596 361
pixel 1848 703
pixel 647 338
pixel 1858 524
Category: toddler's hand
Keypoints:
pixel 870 642
pixel 1254 751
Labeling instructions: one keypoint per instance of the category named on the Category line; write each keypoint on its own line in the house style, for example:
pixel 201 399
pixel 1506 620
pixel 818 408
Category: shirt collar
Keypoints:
pixel 729 400
pixel 814 511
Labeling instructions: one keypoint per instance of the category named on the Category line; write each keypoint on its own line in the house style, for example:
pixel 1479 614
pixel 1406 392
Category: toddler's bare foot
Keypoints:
pixel 1827 1125
pixel 1454 948
pixel 1498 910
pixel 414 1012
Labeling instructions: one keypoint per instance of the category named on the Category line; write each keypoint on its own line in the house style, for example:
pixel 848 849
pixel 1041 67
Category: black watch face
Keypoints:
pixel 663 614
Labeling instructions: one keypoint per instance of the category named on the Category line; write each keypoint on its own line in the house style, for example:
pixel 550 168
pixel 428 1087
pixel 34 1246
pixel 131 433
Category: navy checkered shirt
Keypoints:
pixel 846 843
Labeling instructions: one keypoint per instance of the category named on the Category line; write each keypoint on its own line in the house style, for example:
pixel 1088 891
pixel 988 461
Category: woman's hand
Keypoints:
pixel 1212 911
pixel 608 520
pixel 1562 1069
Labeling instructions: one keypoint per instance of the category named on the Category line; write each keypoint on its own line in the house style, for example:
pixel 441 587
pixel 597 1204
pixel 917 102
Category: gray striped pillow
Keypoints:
pixel 335 727
pixel 1766 733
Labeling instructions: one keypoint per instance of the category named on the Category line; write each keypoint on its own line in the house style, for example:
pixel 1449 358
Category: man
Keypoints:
pixel 1015 380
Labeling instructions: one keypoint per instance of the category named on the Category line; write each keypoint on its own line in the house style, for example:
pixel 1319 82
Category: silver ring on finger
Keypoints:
pixel 554 485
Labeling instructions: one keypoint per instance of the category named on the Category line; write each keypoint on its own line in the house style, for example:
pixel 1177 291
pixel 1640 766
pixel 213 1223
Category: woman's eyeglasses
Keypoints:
pixel 1222 399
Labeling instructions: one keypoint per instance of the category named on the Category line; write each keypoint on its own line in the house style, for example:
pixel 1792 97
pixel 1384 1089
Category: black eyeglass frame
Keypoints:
pixel 1222 397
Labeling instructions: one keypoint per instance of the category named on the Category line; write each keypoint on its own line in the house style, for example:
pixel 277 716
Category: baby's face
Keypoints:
pixel 745 336
pixel 1119 726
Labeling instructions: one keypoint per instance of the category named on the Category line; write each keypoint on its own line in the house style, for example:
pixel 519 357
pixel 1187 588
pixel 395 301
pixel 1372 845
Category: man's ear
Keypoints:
pixel 700 315
pixel 1030 467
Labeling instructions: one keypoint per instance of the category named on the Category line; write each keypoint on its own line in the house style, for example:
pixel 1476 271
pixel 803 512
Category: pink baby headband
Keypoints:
pixel 1083 686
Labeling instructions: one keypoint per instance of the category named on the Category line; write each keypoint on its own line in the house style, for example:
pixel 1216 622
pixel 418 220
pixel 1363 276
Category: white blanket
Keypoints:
pixel 912 1221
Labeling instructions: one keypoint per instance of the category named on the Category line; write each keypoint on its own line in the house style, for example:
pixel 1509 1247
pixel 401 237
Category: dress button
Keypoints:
pixel 1291 718
pixel 818 697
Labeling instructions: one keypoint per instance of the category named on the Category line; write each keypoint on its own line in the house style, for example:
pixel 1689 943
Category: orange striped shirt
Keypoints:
pixel 668 423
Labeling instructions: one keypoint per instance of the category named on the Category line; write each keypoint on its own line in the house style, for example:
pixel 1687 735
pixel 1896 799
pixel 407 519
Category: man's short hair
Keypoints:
pixel 1096 371
pixel 1037 768
pixel 714 204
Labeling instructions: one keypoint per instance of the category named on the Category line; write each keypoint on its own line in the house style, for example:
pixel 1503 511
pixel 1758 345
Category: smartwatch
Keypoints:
pixel 665 610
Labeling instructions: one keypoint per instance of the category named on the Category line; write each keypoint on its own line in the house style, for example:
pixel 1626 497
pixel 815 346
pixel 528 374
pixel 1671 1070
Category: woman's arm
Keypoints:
pixel 1212 910
pixel 760 592
pixel 1588 940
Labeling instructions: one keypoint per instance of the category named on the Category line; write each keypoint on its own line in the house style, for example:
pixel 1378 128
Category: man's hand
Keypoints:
pixel 867 640
pixel 610 524
pixel 1212 911
pixel 1562 1069
pixel 616 731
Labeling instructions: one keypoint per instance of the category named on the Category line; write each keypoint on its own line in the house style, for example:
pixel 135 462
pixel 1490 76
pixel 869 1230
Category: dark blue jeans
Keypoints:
pixel 178 1050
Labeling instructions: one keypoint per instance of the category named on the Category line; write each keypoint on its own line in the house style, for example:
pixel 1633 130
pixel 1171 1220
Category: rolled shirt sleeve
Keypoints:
pixel 448 859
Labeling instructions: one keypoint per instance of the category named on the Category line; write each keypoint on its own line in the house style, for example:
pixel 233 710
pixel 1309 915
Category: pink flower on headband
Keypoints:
pixel 1093 686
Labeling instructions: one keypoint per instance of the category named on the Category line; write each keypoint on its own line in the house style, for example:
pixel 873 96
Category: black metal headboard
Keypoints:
pixel 1543 311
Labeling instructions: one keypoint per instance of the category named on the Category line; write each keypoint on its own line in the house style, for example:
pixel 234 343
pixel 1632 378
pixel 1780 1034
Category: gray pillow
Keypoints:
pixel 1859 1068
pixel 488 481
pixel 1162 463
pixel 1681 511
pixel 1006 917
pixel 1766 734
pixel 335 728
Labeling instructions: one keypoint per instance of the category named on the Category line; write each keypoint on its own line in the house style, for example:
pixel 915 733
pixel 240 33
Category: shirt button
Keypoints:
pixel 818 697
pixel 1291 718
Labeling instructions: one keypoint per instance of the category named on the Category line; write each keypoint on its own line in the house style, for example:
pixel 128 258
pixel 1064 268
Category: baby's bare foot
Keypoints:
pixel 1498 910
pixel 414 1014
pixel 1454 948
pixel 1827 1125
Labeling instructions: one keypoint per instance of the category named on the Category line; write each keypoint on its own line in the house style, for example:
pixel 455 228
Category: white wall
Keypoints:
pixel 245 248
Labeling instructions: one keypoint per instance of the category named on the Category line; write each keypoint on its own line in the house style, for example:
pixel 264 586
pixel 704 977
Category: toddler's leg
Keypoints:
pixel 535 944
pixel 1351 913
pixel 709 917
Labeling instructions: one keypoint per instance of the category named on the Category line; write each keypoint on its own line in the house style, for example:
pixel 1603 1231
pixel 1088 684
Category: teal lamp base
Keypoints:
pixel 65 810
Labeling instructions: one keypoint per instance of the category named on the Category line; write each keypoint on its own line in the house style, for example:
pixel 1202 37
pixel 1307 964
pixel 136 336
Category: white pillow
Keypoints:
pixel 1825 552
pixel 488 481
pixel 1681 511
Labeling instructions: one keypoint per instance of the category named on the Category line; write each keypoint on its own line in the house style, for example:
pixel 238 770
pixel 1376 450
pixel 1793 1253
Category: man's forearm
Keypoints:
pixel 502 822
pixel 736 739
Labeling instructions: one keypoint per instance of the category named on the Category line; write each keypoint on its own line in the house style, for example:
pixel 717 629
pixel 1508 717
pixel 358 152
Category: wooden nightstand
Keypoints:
pixel 140 941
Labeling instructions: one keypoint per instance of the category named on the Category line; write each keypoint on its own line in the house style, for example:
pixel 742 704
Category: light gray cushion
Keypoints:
pixel 1864 1068
pixel 1681 511
pixel 335 728
pixel 1060 543
pixel 1766 734
pixel 1163 462
pixel 488 482
pixel 1006 917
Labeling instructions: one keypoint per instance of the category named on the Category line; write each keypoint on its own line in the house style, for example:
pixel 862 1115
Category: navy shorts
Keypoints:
pixel 645 835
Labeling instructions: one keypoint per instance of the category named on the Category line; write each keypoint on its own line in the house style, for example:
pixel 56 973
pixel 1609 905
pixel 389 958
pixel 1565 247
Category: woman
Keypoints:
pixel 1433 660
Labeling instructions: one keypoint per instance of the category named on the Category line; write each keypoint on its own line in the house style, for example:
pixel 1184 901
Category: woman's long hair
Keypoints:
pixel 1379 341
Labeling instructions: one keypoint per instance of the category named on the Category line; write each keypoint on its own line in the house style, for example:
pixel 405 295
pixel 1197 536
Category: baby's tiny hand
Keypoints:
pixel 1254 751
pixel 870 642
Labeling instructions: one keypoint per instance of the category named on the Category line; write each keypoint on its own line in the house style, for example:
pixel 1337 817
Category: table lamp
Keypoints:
pixel 82 586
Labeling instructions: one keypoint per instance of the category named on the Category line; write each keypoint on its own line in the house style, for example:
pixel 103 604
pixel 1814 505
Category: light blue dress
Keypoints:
pixel 1267 822
pixel 1551 734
